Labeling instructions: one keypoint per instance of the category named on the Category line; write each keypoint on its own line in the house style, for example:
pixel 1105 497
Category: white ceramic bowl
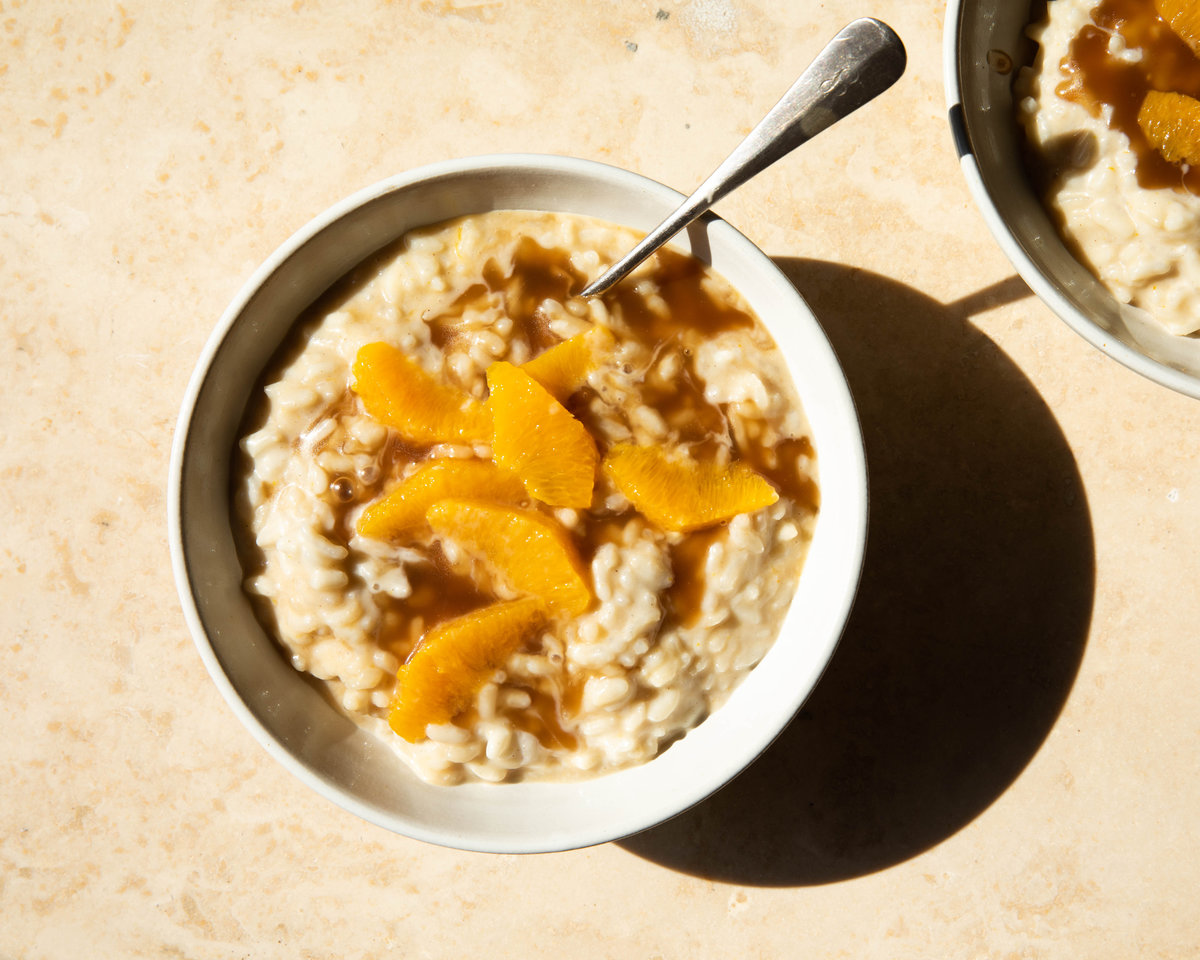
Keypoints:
pixel 982 38
pixel 283 709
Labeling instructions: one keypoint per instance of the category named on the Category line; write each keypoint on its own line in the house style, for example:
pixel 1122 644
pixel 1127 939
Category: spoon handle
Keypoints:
pixel 862 61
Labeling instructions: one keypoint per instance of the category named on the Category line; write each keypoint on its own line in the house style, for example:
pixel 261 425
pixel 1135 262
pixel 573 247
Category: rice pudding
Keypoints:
pixel 1124 196
pixel 516 534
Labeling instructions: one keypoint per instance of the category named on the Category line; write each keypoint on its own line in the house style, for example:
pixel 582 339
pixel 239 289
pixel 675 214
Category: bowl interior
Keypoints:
pixel 984 37
pixel 287 713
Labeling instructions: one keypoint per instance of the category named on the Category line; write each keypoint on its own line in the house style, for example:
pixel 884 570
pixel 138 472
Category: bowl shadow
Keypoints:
pixel 971 618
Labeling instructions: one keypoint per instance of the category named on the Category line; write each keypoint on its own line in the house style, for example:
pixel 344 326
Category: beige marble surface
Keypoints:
pixel 1002 758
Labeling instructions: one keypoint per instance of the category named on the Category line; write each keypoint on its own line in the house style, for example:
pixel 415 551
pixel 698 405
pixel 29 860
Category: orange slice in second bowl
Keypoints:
pixel 455 659
pixel 529 552
pixel 1184 18
pixel 398 391
pixel 677 493
pixel 402 511
pixel 1171 122
pixel 537 438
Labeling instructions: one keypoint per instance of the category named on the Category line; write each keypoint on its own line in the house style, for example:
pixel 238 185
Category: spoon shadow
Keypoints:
pixel 971 618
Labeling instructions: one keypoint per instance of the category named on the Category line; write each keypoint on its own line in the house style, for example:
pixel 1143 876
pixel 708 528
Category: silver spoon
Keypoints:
pixel 862 61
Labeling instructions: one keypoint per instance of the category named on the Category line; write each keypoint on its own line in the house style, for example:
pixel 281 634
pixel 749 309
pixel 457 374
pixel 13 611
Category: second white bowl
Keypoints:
pixel 984 46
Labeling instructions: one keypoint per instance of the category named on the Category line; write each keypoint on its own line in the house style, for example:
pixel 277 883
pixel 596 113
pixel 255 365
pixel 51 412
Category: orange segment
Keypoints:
pixel 1184 18
pixel 398 391
pixel 528 551
pixel 537 438
pixel 454 660
pixel 1171 122
pixel 682 494
pixel 402 512
pixel 564 368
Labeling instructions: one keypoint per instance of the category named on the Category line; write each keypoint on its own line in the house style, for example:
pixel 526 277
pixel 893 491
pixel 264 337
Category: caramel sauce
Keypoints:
pixel 601 531
pixel 682 404
pixel 780 464
pixel 438 594
pixel 534 275
pixel 571 696
pixel 1095 78
pixel 544 721
pixel 691 306
pixel 688 557
pixel 442 325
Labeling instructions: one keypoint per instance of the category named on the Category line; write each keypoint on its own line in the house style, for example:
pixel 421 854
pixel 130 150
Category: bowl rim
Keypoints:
pixel 855 500
pixel 1048 293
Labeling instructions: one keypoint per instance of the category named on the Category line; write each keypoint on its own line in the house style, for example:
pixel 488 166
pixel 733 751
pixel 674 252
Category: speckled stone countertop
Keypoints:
pixel 1002 758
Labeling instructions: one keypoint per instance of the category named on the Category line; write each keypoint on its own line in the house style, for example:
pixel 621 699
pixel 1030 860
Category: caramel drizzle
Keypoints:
pixel 1095 78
